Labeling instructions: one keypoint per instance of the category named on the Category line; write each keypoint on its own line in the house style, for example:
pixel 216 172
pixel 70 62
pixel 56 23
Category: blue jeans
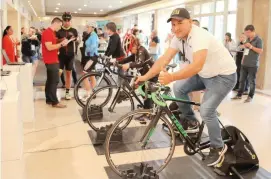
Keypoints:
pixel 217 88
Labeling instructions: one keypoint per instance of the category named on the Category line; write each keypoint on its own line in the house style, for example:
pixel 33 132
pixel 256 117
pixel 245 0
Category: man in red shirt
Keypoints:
pixel 50 57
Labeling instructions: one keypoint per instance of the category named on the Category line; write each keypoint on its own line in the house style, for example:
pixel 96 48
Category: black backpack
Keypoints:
pixel 240 157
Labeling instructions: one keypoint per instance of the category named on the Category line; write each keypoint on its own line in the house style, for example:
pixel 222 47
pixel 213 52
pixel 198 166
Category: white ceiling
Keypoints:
pixel 93 6
pixel 38 6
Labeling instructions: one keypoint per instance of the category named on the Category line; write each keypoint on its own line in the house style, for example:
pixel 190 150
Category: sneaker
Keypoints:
pixel 248 100
pixel 143 117
pixel 68 96
pixel 237 97
pixel 246 93
pixel 122 97
pixel 85 98
pixel 59 105
pixel 215 155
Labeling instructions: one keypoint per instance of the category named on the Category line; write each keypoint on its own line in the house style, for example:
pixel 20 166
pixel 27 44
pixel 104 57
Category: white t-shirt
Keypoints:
pixel 218 61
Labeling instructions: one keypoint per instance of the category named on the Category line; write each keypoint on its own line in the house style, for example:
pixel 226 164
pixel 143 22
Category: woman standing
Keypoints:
pixel 90 57
pixel 9 45
pixel 230 44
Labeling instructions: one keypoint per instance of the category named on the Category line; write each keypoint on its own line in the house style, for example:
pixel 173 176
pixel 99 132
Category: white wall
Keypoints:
pixel 12 20
pixel 267 84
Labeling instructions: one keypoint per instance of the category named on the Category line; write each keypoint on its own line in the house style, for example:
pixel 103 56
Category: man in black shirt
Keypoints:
pixel 114 47
pixel 66 54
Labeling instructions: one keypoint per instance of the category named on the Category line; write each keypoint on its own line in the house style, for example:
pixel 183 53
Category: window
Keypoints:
pixel 207 8
pixel 232 5
pixel 220 6
pixel 145 22
pixel 231 25
pixel 219 26
pixel 208 22
pixel 196 9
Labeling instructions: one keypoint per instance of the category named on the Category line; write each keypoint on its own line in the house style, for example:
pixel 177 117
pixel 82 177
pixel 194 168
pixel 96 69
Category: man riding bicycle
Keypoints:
pixel 211 67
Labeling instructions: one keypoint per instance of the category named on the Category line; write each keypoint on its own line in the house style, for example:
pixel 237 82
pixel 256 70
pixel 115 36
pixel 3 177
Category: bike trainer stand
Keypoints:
pixel 142 171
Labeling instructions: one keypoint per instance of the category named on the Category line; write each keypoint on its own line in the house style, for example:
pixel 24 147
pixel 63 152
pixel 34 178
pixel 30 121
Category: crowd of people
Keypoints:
pixel 119 45
pixel 206 64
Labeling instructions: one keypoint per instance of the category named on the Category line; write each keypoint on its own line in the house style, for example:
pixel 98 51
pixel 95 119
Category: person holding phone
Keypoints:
pixel 253 48
pixel 50 49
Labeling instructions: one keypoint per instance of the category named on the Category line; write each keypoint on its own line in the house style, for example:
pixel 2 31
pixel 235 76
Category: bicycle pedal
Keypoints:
pixel 143 122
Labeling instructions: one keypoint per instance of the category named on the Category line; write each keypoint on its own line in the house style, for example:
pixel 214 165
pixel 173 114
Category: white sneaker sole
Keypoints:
pixel 221 155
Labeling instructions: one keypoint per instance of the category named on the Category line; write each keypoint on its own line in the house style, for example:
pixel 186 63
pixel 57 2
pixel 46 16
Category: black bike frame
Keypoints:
pixel 131 91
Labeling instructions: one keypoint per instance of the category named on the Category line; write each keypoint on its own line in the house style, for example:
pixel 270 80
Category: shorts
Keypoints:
pixel 89 63
pixel 28 59
pixel 66 62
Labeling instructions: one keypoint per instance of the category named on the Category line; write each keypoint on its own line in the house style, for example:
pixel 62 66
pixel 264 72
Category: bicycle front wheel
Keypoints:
pixel 157 153
pixel 80 91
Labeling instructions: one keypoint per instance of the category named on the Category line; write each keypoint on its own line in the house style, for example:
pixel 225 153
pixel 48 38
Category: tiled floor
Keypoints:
pixel 57 144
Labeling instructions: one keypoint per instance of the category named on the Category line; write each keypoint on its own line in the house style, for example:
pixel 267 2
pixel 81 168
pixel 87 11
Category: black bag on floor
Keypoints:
pixel 240 157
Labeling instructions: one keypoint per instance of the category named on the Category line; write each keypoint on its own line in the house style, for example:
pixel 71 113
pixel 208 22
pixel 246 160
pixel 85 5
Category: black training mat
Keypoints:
pixel 130 133
pixel 108 116
pixel 193 168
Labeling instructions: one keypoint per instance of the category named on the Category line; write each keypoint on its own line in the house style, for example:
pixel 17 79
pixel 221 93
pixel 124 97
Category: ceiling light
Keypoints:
pixel 120 1
pixel 79 9
pixel 101 10
pixel 55 11
pixel 85 5
pixel 32 8
pixel 95 13
pixel 58 4
pixel 75 12
pixel 57 8
pixel 110 6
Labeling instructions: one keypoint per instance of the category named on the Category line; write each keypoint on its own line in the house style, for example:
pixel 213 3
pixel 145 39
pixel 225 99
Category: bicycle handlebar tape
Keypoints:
pixel 156 100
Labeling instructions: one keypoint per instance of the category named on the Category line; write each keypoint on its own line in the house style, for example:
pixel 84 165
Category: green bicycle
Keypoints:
pixel 148 143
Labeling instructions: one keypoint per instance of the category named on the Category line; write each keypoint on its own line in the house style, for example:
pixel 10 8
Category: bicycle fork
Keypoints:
pixel 114 102
pixel 149 131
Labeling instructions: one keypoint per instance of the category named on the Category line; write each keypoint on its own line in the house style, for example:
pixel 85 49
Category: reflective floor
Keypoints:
pixel 57 144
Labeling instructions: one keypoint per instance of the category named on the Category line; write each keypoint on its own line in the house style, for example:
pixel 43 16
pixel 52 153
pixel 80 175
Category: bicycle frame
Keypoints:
pixel 131 91
pixel 195 146
pixel 105 71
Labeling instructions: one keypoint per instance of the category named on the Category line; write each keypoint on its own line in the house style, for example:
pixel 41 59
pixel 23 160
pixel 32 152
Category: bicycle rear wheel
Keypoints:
pixel 79 90
pixel 112 106
pixel 157 153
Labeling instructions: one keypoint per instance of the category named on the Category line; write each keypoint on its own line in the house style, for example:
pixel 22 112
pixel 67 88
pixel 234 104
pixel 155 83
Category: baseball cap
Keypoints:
pixel 180 14
pixel 92 24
